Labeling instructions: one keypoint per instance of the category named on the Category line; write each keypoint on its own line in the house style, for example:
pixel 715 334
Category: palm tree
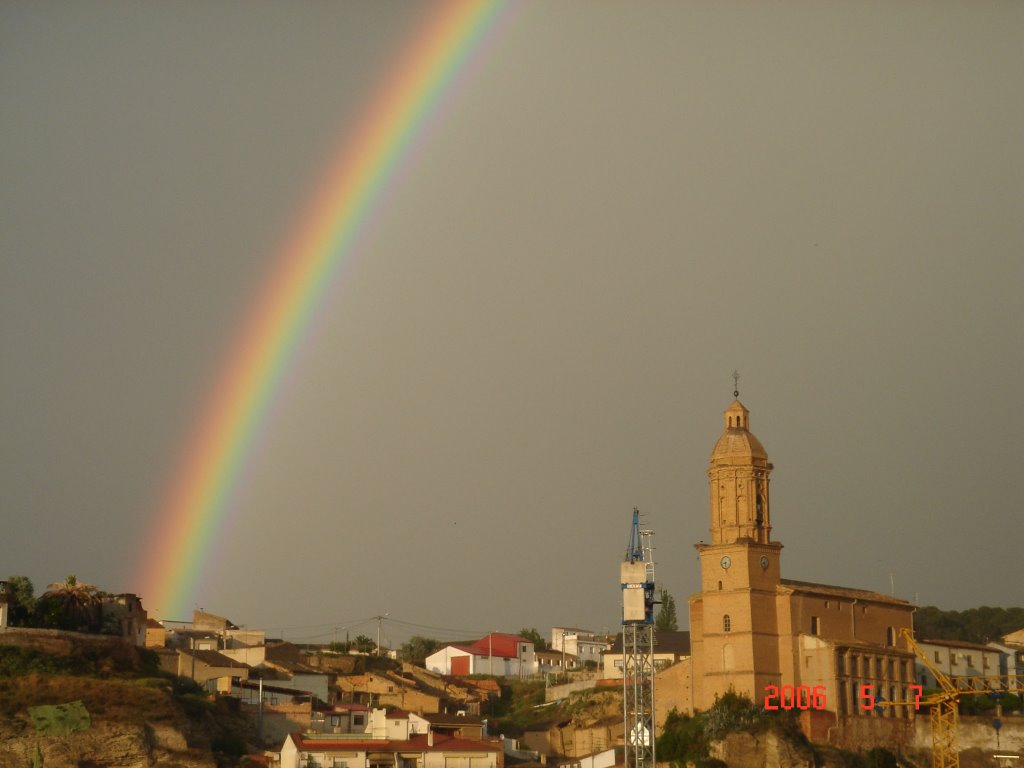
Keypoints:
pixel 77 601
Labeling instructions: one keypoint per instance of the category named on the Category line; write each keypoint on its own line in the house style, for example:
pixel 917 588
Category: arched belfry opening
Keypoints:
pixel 738 478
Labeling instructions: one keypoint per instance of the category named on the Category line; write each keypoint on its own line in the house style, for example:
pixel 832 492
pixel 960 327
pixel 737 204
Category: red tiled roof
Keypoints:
pixel 418 743
pixel 829 589
pixel 499 644
pixel 440 718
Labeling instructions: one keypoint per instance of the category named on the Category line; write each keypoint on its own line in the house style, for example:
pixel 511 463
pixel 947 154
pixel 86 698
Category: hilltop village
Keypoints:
pixel 840 661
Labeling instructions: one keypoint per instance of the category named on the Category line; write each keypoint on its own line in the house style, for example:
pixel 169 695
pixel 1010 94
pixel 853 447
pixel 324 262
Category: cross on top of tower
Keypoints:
pixel 736 384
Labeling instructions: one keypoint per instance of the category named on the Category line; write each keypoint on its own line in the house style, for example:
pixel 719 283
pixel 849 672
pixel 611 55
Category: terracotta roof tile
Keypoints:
pixel 442 743
pixel 828 589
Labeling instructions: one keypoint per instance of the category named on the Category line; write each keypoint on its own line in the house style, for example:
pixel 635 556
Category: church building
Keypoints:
pixel 784 643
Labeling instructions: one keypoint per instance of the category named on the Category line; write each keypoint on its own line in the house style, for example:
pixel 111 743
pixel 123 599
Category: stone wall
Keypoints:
pixel 57 641
pixel 763 750
pixel 580 682
pixel 857 733
pixel 977 733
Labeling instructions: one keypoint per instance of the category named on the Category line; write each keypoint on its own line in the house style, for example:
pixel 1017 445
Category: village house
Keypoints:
pixel 283 710
pixel 156 635
pixel 1015 638
pixel 498 654
pixel 669 648
pixel 124 615
pixel 394 739
pixel 583 644
pixel 956 658
pixel 422 751
pixel 210 669
pixel 340 718
pixel 549 660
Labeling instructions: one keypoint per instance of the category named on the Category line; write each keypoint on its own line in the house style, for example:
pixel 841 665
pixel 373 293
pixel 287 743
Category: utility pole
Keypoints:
pixel 379 619
pixel 259 730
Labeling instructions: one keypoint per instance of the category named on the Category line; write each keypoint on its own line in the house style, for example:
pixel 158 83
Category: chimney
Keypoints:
pixel 430 737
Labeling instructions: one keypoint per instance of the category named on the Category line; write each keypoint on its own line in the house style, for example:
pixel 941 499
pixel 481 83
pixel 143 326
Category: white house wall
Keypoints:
pixel 441 662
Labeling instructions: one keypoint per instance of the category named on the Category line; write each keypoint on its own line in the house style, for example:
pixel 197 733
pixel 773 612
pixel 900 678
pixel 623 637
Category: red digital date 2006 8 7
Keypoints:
pixel 805 697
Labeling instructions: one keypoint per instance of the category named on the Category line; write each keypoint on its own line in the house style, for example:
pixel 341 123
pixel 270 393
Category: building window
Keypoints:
pixel 890 636
pixel 892 668
pixel 840 664
pixel 878 667
pixel 719 586
pixel 937 656
pixel 953 657
pixel 358 720
pixel 970 660
pixel 726 623
pixel 815 626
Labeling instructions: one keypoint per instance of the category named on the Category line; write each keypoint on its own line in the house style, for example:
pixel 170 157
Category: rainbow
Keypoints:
pixel 192 511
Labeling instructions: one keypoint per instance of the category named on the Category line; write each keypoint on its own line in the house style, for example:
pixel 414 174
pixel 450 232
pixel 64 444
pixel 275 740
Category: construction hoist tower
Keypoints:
pixel 637 579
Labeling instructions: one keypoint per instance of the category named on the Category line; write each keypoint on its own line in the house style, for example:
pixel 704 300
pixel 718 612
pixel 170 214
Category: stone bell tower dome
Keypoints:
pixel 738 481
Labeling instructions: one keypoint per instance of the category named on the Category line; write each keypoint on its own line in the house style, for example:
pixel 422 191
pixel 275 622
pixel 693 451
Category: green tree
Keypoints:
pixel 682 740
pixel 76 602
pixel 733 713
pixel 666 620
pixel 534 637
pixel 23 593
pixel 975 625
pixel 417 648
pixel 364 644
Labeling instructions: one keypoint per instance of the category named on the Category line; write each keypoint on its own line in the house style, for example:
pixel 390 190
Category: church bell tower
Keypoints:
pixel 734 624
pixel 738 480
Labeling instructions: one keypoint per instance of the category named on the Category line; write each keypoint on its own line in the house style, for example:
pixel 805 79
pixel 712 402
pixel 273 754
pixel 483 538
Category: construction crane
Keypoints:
pixel 637 582
pixel 944 715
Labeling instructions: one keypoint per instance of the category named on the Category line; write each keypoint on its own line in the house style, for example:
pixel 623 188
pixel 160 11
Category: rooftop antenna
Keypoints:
pixel 736 384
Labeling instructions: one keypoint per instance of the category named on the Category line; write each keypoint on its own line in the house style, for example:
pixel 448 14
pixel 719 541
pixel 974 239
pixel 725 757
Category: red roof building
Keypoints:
pixel 499 654
pixel 422 751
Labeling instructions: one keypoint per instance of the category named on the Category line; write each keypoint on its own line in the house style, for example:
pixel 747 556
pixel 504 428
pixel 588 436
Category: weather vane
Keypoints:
pixel 736 383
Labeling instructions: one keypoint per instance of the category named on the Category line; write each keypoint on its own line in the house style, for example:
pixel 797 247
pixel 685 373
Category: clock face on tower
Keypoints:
pixel 726 562
pixel 764 562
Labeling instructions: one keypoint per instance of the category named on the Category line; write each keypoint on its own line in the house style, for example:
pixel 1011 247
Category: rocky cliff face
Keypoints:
pixel 762 750
pixel 104 744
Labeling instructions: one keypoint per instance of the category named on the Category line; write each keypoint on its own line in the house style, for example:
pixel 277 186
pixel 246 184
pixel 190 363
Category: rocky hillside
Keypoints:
pixel 133 715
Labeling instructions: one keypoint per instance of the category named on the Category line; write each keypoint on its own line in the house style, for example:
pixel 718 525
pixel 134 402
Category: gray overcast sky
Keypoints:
pixel 621 204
